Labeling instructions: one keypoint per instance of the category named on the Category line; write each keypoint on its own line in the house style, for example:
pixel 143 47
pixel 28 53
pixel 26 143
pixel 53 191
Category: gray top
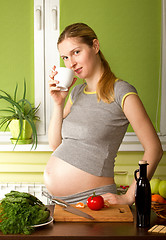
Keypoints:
pixel 93 131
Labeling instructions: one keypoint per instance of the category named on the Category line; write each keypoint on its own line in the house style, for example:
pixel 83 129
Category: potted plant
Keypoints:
pixel 21 118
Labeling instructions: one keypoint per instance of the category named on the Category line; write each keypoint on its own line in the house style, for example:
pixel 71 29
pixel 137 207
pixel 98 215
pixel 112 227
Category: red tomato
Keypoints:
pixel 95 202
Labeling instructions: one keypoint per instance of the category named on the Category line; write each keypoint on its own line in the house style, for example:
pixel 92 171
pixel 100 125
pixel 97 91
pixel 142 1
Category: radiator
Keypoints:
pixel 32 188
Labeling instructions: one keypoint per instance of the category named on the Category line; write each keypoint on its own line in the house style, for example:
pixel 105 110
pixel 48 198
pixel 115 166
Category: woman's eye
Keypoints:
pixel 64 58
pixel 76 52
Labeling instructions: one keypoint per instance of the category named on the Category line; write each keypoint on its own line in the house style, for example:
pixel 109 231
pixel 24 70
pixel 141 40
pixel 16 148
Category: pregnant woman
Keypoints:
pixel 86 134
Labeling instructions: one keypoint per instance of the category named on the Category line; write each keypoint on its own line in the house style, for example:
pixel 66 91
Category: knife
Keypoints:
pixel 67 206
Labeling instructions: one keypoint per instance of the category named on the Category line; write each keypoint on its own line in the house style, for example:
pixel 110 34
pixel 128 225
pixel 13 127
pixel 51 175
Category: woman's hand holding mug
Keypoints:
pixel 61 80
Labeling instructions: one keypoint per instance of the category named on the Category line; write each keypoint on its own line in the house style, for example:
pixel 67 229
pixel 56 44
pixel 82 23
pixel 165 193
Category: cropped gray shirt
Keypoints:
pixel 93 131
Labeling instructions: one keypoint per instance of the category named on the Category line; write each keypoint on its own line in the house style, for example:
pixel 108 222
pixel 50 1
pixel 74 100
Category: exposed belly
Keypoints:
pixel 62 179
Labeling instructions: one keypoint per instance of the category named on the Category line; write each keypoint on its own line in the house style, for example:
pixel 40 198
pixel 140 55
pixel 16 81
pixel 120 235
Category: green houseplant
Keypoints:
pixel 20 117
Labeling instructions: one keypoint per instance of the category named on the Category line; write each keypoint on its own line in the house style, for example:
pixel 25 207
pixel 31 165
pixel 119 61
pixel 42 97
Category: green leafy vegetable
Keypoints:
pixel 19 211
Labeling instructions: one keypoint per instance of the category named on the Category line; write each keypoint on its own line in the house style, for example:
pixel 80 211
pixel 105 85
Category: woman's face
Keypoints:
pixel 79 57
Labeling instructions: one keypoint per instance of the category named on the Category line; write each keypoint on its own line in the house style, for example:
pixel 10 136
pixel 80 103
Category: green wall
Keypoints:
pixel 129 32
pixel 16 46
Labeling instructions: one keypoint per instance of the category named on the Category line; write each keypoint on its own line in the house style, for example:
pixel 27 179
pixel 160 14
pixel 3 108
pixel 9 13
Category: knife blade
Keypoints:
pixel 67 206
pixel 71 209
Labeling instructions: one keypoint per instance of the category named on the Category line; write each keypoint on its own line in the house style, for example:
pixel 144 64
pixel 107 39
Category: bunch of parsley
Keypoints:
pixel 18 214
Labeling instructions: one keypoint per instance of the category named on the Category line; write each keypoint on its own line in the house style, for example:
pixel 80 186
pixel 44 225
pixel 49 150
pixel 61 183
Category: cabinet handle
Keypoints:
pixel 38 17
pixel 54 18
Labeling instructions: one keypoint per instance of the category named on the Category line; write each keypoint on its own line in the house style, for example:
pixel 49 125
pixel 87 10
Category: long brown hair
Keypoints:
pixel 105 85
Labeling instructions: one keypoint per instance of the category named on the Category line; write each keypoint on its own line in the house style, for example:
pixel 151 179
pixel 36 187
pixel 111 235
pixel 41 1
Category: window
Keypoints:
pixel 46 32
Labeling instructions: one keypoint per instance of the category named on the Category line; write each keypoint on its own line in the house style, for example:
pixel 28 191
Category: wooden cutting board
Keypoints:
pixel 115 213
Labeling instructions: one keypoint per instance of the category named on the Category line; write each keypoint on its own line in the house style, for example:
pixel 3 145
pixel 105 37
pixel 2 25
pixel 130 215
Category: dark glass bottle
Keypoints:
pixel 142 196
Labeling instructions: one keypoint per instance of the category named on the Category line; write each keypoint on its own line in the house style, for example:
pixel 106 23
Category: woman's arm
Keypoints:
pixel 59 112
pixel 55 126
pixel 141 123
pixel 139 120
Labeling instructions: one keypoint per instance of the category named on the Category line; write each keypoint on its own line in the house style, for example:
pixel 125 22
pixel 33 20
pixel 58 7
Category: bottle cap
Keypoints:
pixel 143 162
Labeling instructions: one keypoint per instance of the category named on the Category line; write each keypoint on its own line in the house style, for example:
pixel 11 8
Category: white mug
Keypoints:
pixel 65 77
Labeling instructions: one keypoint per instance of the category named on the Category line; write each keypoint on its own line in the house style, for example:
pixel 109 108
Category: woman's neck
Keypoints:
pixel 93 80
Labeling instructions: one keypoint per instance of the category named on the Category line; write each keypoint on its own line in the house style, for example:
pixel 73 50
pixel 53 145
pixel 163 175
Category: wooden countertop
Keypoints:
pixel 92 231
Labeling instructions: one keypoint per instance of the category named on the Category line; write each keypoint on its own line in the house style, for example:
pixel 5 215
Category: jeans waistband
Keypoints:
pixel 83 196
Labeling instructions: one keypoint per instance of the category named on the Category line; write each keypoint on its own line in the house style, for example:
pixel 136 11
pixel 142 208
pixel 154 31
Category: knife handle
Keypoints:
pixel 59 202
pixel 55 200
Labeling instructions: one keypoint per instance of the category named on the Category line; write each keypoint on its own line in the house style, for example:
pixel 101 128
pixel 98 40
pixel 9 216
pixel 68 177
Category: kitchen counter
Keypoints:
pixel 89 231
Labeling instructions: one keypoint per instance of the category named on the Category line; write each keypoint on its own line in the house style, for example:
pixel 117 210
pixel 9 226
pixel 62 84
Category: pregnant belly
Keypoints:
pixel 62 179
